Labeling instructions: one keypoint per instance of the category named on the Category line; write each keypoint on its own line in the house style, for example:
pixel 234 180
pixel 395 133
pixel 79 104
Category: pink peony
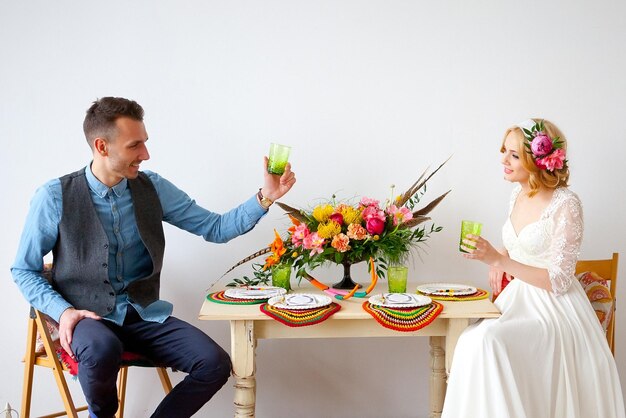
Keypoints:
pixel 541 145
pixel 337 217
pixel 375 226
pixel 340 243
pixel 553 161
pixel 372 212
pixel 366 201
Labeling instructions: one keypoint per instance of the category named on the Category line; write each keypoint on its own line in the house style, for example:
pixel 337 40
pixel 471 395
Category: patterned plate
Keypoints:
pixel 300 301
pixel 399 300
pixel 254 292
pixel 446 289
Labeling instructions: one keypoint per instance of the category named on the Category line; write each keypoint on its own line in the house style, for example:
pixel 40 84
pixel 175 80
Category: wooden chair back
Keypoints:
pixel 607 269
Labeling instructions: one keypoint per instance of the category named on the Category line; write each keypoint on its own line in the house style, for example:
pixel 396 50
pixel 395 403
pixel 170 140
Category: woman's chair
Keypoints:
pixel 607 270
pixel 49 358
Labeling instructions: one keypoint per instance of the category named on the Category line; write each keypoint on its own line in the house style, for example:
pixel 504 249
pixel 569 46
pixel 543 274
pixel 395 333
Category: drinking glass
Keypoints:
pixel 278 157
pixel 396 278
pixel 469 227
pixel 281 275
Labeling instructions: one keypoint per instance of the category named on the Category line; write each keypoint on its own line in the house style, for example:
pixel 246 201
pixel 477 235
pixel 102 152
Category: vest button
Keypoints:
pixel 106 282
pixel 104 265
pixel 111 294
pixel 106 246
pixel 110 309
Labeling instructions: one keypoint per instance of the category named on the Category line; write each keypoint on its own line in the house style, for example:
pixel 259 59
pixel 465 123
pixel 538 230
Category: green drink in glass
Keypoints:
pixel 281 276
pixel 469 227
pixel 396 278
pixel 278 158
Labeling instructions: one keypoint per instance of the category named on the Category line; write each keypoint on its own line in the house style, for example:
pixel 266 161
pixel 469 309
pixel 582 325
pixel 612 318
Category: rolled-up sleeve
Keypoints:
pixel 182 211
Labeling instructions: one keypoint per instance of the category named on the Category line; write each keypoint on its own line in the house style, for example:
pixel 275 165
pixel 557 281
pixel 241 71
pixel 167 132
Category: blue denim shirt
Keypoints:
pixel 128 257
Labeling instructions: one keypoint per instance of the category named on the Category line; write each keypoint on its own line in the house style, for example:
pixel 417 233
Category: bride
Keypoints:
pixel 547 355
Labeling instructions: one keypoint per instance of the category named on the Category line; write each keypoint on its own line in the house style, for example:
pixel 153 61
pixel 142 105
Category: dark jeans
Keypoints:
pixel 98 346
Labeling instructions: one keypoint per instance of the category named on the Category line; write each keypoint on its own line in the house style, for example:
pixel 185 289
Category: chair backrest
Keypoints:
pixel 607 269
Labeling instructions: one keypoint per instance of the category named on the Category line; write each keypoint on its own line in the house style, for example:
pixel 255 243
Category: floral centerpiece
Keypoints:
pixel 346 234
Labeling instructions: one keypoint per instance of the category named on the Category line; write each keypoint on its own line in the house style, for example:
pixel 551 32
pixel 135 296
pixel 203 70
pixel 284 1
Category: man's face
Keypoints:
pixel 128 149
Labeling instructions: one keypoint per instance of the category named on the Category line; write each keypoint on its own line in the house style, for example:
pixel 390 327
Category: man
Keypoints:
pixel 103 225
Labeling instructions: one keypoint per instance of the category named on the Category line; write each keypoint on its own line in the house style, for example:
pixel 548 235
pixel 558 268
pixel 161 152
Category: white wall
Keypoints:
pixel 368 93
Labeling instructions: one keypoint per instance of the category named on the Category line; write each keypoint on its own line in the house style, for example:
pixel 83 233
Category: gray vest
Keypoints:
pixel 81 253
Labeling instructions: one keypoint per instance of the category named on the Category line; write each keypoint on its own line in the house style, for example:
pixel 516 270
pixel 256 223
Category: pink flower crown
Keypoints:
pixel 548 153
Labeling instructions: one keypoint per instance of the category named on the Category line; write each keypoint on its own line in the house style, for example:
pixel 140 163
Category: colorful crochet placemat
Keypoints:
pixel 300 317
pixel 404 319
pixel 480 294
pixel 220 297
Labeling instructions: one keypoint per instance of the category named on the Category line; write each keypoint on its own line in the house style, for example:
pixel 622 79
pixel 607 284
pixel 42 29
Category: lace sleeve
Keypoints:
pixel 567 235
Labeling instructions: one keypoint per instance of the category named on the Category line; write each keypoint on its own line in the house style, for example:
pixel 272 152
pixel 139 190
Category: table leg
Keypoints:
pixel 455 328
pixel 243 344
pixel 438 376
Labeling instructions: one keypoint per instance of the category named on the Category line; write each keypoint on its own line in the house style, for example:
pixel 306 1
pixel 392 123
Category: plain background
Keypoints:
pixel 368 94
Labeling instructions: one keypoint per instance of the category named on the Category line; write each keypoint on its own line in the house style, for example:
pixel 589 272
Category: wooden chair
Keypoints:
pixel 607 269
pixel 49 359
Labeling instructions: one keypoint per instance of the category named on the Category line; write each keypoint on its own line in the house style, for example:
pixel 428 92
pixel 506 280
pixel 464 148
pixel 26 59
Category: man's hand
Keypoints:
pixel 275 187
pixel 69 318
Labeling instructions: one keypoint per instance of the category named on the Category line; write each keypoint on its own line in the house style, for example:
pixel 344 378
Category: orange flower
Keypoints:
pixel 278 249
pixel 271 261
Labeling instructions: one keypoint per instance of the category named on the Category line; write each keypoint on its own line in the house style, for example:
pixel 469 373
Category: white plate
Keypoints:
pixel 300 301
pixel 446 289
pixel 399 300
pixel 254 292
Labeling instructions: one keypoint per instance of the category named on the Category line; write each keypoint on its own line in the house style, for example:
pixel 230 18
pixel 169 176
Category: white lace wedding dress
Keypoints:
pixel 546 356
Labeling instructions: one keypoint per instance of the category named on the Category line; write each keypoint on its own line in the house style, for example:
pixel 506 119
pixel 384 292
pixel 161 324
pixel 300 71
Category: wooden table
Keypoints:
pixel 248 324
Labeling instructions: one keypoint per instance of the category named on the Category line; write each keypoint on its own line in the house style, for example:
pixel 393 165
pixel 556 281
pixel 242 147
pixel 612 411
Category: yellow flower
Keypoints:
pixel 321 213
pixel 294 254
pixel 350 215
pixel 328 229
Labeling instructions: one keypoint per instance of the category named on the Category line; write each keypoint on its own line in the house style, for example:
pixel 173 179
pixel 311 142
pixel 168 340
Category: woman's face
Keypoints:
pixel 513 169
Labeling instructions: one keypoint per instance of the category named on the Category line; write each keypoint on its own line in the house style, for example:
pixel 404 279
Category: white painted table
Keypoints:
pixel 248 324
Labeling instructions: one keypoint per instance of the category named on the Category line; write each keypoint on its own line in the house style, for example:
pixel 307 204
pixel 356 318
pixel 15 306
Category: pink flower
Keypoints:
pixel 340 243
pixel 356 231
pixel 366 201
pixel 337 217
pixel 299 234
pixel 372 212
pixel 553 161
pixel 314 243
pixel 541 145
pixel 375 226
pixel 399 215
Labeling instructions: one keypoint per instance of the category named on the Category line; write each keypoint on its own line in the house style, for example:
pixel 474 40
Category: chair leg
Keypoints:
pixel 121 391
pixel 57 368
pixel 165 379
pixel 29 368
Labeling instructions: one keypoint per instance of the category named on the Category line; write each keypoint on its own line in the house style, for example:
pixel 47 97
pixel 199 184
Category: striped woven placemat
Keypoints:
pixel 220 297
pixel 300 317
pixel 480 294
pixel 404 319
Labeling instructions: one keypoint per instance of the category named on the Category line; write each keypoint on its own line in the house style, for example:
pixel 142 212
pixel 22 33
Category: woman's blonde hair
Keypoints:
pixel 540 177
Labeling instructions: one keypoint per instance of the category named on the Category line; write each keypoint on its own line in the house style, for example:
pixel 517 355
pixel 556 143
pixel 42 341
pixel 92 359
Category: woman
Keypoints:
pixel 547 355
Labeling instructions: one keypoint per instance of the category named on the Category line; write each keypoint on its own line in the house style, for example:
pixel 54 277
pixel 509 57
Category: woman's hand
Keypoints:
pixel 480 249
pixel 497 279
